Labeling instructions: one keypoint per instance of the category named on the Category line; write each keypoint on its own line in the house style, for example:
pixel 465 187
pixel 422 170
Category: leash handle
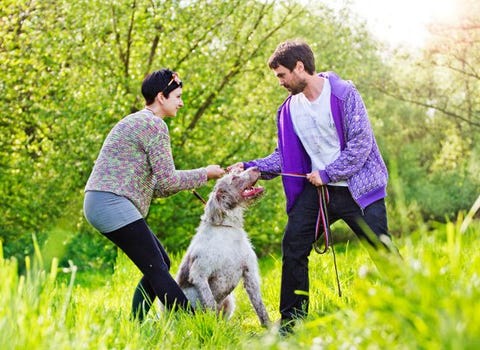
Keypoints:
pixel 324 198
pixel 322 218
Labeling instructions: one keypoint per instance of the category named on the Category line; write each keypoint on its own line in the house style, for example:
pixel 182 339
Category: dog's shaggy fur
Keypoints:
pixel 220 253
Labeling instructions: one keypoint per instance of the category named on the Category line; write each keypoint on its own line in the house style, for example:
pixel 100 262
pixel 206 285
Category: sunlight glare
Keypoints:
pixel 402 22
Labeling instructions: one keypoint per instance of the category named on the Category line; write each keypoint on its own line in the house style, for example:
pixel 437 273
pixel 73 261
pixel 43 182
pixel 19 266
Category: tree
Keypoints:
pixel 437 136
pixel 71 70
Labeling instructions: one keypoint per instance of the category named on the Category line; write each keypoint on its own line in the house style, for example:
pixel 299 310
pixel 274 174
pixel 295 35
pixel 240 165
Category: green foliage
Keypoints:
pixel 421 301
pixel 425 300
pixel 71 70
pixel 84 247
pixel 430 126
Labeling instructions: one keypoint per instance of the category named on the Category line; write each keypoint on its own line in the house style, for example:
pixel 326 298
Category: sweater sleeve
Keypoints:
pixel 168 179
pixel 359 140
pixel 270 166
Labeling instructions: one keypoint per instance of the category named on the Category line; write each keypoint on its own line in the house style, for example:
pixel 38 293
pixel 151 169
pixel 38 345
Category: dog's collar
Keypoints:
pixel 220 225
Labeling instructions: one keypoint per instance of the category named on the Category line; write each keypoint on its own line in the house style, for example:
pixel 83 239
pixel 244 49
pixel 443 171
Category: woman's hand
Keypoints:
pixel 214 171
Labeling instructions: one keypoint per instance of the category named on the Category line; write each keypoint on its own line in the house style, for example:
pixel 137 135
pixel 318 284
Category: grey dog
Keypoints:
pixel 220 253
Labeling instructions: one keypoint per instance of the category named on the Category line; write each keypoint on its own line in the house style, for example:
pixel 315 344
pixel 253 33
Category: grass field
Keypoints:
pixel 427 300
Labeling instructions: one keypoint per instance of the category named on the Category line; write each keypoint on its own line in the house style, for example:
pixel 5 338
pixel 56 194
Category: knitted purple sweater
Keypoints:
pixel 359 163
pixel 136 162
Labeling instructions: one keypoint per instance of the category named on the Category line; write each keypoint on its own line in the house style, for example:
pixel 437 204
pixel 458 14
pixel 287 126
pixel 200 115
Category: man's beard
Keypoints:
pixel 297 88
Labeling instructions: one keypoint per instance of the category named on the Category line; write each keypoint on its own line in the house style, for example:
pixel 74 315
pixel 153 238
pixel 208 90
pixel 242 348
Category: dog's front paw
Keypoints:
pixel 265 321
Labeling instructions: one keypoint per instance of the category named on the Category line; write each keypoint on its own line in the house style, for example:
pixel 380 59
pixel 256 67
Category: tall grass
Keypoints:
pixel 429 299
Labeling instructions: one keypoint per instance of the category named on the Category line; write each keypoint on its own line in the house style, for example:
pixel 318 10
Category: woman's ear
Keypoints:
pixel 160 98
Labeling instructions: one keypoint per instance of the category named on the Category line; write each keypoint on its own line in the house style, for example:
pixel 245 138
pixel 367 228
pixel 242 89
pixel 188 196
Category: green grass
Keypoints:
pixel 427 300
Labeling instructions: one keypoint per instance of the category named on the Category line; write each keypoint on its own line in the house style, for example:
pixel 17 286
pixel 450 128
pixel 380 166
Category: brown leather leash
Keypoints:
pixel 322 221
pixel 196 194
pixel 323 217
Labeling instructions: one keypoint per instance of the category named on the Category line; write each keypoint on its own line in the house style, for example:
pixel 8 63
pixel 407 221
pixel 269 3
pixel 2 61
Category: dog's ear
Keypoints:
pixel 224 199
pixel 214 212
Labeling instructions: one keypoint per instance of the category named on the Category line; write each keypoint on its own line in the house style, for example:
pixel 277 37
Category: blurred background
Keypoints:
pixel 71 70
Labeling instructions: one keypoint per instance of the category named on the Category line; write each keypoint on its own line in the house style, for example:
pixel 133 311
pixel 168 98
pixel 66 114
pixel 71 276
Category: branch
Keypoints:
pixel 431 106
pixel 153 49
pixel 124 55
pixel 129 39
pixel 240 145
pixel 236 68
pixel 117 34
pixel 201 39
pixel 462 60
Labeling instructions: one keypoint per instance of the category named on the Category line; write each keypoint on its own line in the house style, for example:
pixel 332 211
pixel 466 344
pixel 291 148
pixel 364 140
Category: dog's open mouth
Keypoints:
pixel 251 192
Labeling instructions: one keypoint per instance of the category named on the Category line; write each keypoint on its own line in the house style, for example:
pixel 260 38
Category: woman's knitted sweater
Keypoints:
pixel 136 162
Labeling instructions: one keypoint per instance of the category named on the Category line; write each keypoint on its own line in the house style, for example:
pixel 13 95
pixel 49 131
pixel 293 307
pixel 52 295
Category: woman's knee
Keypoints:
pixel 155 269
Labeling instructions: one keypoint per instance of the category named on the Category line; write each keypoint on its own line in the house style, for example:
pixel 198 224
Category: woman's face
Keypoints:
pixel 173 103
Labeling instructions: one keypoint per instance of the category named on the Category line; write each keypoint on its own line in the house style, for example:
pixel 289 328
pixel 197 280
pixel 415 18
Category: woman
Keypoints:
pixel 135 165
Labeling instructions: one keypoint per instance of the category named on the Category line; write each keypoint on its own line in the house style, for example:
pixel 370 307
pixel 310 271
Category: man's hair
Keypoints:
pixel 288 53
pixel 157 82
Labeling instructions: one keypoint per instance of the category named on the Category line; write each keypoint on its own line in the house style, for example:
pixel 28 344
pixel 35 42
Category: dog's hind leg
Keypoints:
pixel 227 306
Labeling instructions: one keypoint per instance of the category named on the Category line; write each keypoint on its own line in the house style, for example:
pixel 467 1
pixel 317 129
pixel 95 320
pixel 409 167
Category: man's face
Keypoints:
pixel 290 80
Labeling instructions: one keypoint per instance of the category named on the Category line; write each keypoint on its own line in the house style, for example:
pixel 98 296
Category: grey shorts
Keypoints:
pixel 108 212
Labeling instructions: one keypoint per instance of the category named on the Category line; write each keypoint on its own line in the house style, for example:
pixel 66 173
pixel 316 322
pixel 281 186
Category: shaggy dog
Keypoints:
pixel 220 253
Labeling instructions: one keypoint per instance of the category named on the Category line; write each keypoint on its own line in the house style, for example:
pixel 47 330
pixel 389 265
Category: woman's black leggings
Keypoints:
pixel 139 243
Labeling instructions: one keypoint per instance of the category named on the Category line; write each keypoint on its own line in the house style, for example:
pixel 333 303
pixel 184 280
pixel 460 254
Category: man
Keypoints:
pixel 323 133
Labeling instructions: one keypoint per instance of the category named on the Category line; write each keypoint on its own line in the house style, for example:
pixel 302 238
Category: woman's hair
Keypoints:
pixel 290 52
pixel 163 80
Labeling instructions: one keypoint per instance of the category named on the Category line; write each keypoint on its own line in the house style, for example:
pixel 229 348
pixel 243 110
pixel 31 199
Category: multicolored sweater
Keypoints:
pixel 359 163
pixel 136 162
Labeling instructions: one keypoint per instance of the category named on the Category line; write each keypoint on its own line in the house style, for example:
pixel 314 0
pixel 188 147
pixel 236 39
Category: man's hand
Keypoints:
pixel 314 178
pixel 236 166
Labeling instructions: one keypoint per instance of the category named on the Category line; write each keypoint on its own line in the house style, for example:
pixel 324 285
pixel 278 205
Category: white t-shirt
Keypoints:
pixel 314 125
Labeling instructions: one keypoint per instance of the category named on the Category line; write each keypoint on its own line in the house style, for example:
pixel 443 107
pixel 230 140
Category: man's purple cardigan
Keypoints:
pixel 359 163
